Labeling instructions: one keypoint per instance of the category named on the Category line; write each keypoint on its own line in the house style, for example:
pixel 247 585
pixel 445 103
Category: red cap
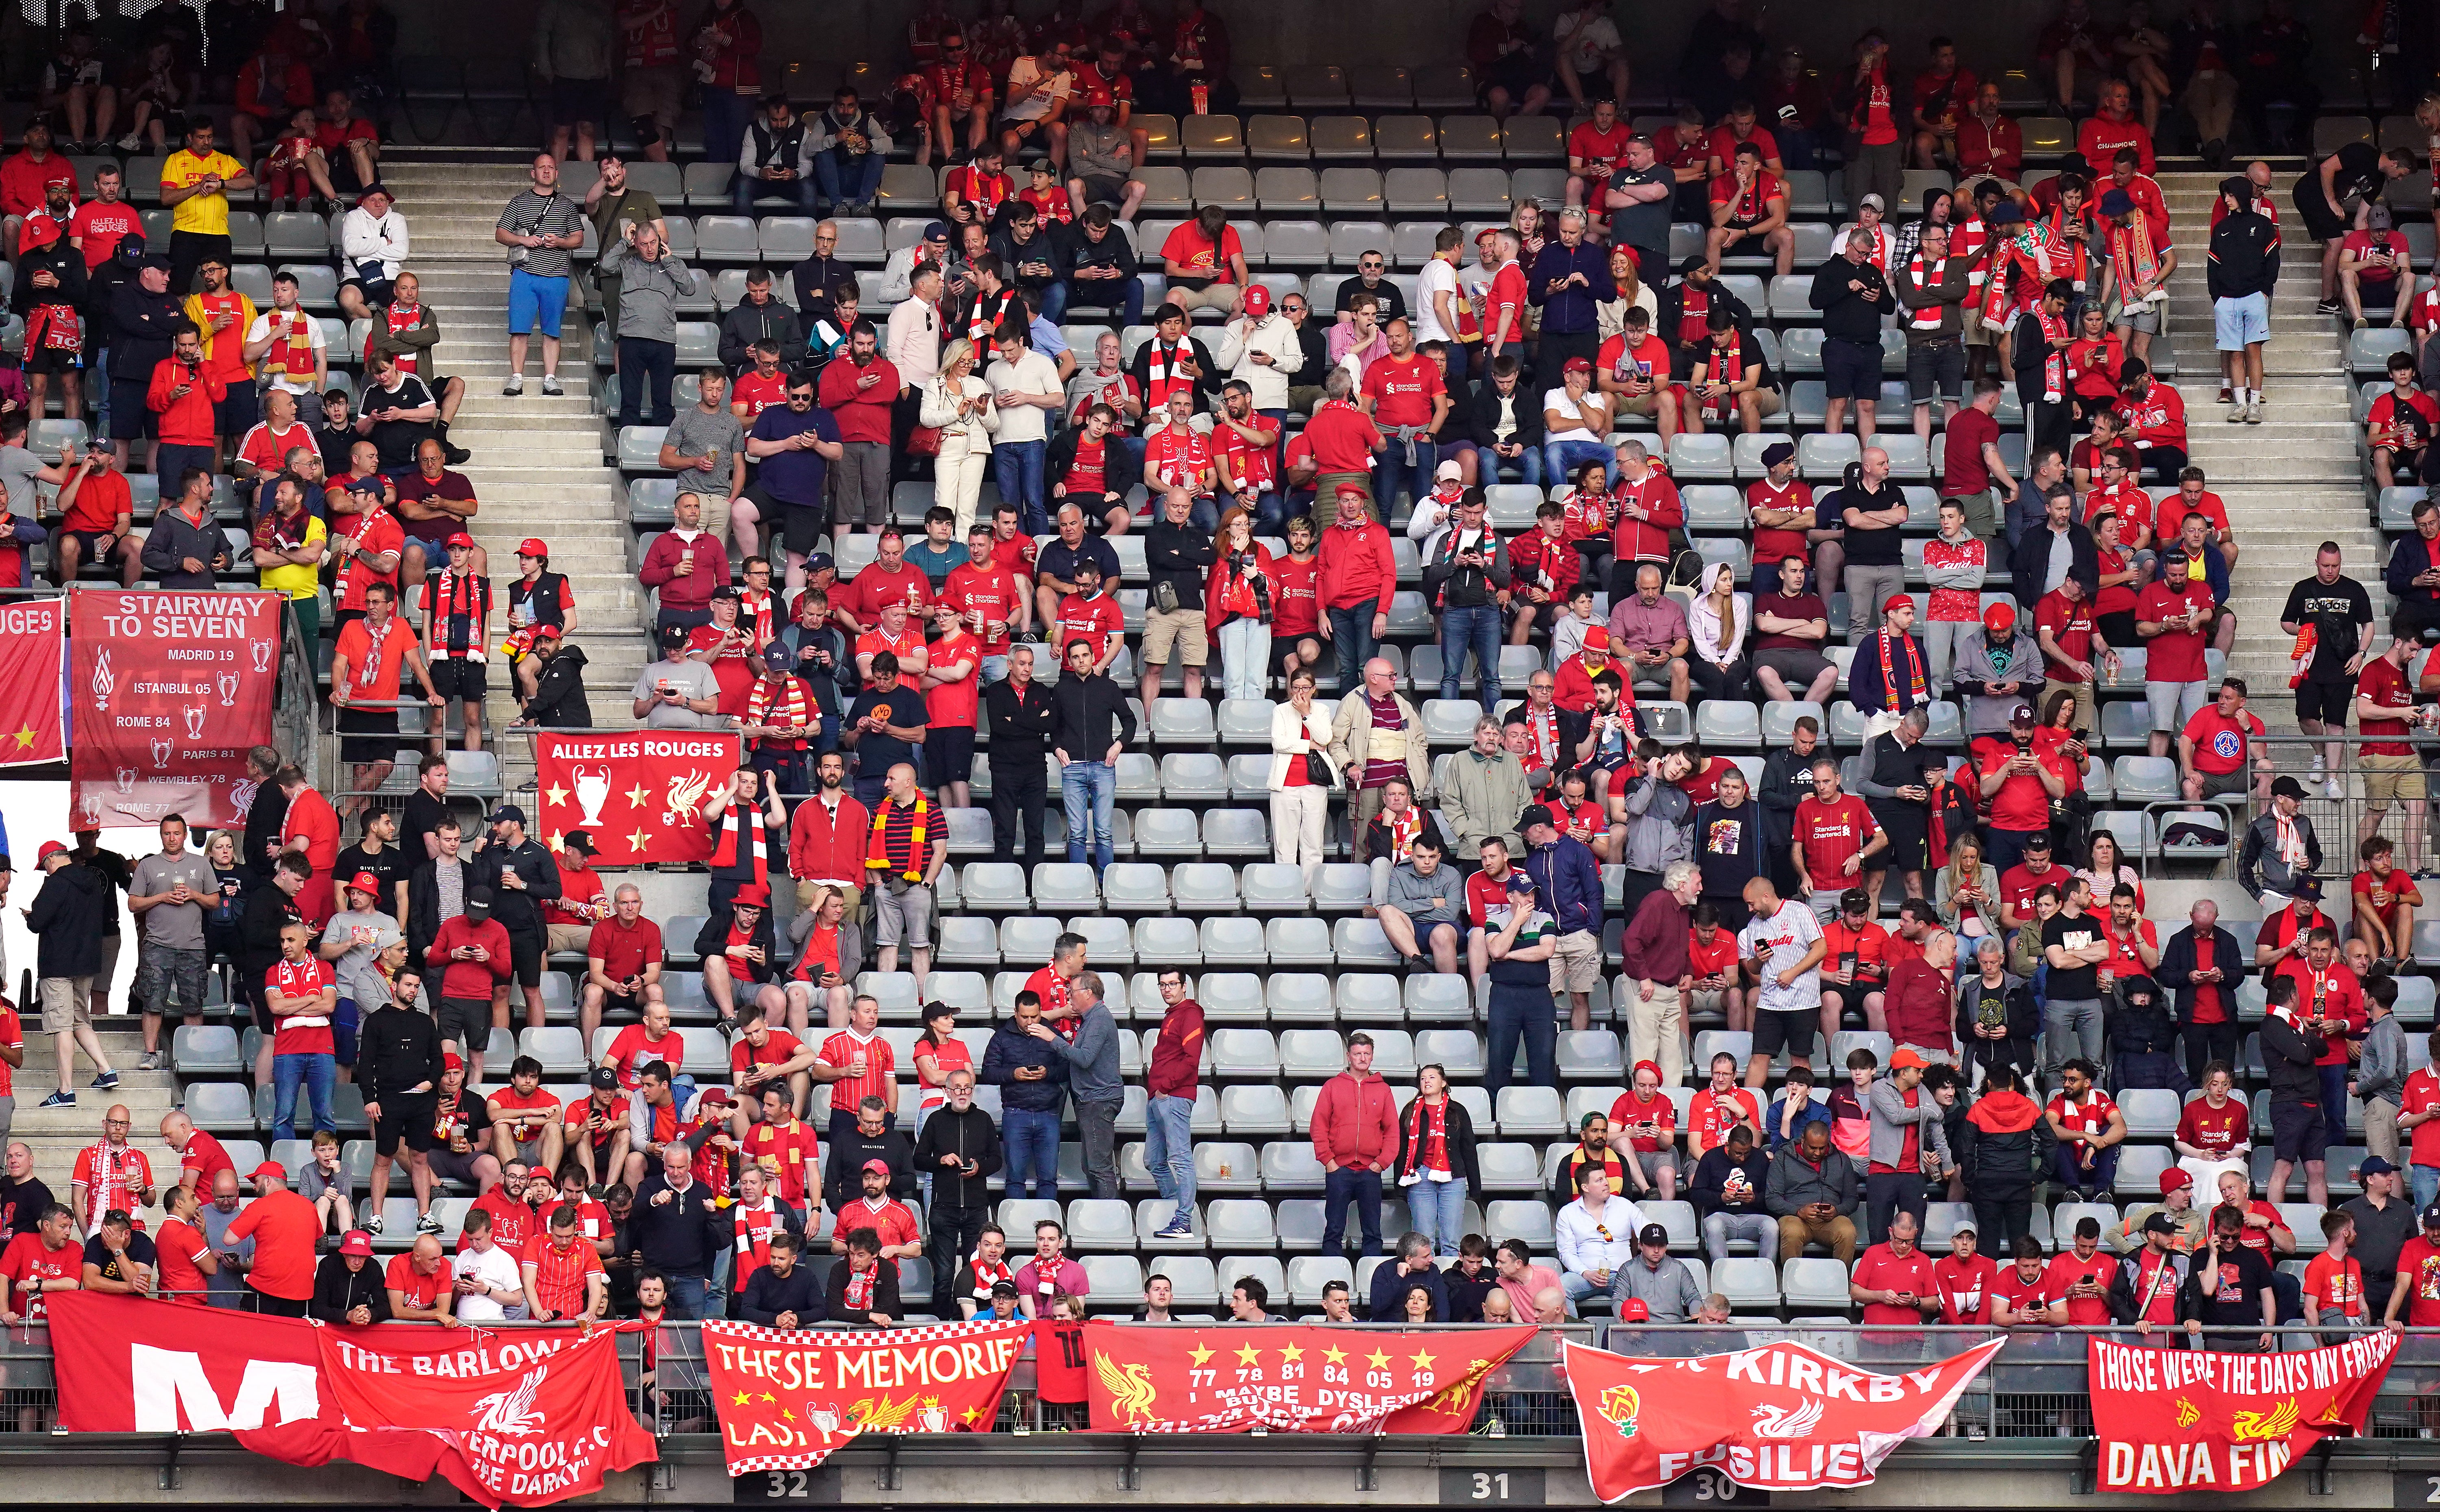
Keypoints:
pixel 1357 490
pixel 1597 638
pixel 547 633
pixel 533 546
pixel 453 1061
pixel 1642 1066
pixel 1897 601
pixel 881 1165
pixel 1100 97
pixel 356 1241
pixel 1258 300
pixel 2000 618
pixel 1576 365
pixel 1905 1058
pixel 365 881
pixel 271 1168
pixel 1634 1311
pixel 755 895
pixel 461 539
pixel 46 851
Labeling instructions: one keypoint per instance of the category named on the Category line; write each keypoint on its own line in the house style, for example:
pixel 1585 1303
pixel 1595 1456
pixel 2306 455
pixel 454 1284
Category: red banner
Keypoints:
pixel 1782 1417
pixel 523 1416
pixel 789 1399
pixel 532 1415
pixel 169 692
pixel 31 730
pixel 639 794
pixel 2178 1421
pixel 1295 1379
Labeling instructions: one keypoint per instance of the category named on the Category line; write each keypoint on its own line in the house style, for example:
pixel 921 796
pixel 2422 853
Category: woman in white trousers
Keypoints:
pixel 1242 609
pixel 960 405
pixel 1300 796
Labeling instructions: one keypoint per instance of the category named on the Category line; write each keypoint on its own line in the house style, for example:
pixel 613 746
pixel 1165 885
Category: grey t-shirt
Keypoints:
pixel 227 1288
pixel 690 677
pixel 696 431
pixel 543 215
pixel 18 466
pixel 175 926
pixel 1642 225
pixel 360 978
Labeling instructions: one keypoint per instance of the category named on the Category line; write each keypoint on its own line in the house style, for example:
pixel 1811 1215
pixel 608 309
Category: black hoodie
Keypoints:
pixel 559 701
pixel 69 913
pixel 397 1049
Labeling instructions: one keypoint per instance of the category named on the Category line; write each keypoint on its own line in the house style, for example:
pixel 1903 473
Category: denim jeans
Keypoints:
pixel 840 175
pixel 1339 1188
pixel 1351 631
pixel 1245 658
pixel 1438 1212
pixel 1169 1148
pixel 1271 514
pixel 1090 789
pixel 1721 1229
pixel 725 115
pixel 1097 1130
pixel 1521 1013
pixel 1127 460
pixel 646 370
pixel 319 1074
pixel 2426 1181
pixel 1018 467
pixel 2101 1176
pixel 1029 1142
pixel 743 192
pixel 1098 292
pixel 1054 299
pixel 1476 627
pixel 1525 467
pixel 1390 473
pixel 1561 458
pixel 688 1294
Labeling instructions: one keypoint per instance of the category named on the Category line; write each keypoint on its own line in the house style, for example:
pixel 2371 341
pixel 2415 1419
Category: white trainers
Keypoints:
pixel 2334 790
pixel 2254 410
pixel 550 385
pixel 515 386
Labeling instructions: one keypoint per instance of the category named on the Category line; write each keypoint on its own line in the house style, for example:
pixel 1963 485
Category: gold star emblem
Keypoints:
pixel 1249 1356
pixel 1198 1354
pixel 555 793
pixel 741 1399
pixel 768 1398
pixel 26 737
pixel 1335 1355
pixel 786 1416
pixel 1421 1360
pixel 638 841
pixel 1377 1360
pixel 1290 1355
pixel 637 796
pixel 554 839
pixel 973 1412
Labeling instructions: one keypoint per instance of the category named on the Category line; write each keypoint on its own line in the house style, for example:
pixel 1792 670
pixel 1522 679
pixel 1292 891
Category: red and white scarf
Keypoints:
pixel 743 822
pixel 2132 257
pixel 1724 365
pixel 983 1274
pixel 1927 276
pixel 1162 373
pixel 2054 360
pixel 1402 829
pixel 393 320
pixel 860 1286
pixel 1427 1135
pixel 984 319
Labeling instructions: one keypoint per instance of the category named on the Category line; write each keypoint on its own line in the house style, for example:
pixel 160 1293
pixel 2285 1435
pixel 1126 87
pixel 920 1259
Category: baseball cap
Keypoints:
pixel 2004 213
pixel 753 895
pixel 2163 1223
pixel 1967 1225
pixel 1100 97
pixel 2174 1177
pixel 2287 788
pixel 2117 202
pixel 1003 1288
pixel 1854 901
pixel 508 814
pixel 725 590
pixel 674 634
pixel 1778 451
pixel 1448 470
pixel 1537 814
pixel 2000 618
pixel 453 1061
pixel 459 538
pixel 2375 1166
pixel 1258 298
pixel 1652 1234
pixel 2038 839
pixel 1597 638
pixel 820 561
pixel 1347 489
pixel 1633 1311
pixel 579 840
pixel 1040 165
pixel 1576 365
pixel 2307 887
pixel 547 633
pixel 47 849
pixel 604 1079
pixel 1875 201
pixel 365 881
pixel 2431 1216
pixel 1905 1058
pixel 533 546
pixel 377 186
pixel 936 231
pixel 356 1241
pixel 478 903
pixel 372 485
pixel 2022 713
pixel 871 1165
pixel 280 1173
pixel 1897 601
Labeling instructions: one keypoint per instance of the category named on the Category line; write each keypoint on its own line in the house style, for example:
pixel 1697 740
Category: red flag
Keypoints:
pixel 527 1417
pixel 1782 1417
pixel 30 730
pixel 1296 1379
pixel 169 692
pixel 2181 1420
pixel 639 795
pixel 788 1399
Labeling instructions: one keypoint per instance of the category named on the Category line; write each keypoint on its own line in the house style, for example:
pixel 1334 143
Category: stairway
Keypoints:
pixel 537 465
pixel 55 1135
pixel 2289 483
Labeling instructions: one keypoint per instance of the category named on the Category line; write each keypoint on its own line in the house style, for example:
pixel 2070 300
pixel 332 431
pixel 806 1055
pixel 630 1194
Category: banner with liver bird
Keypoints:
pixel 788 1398
pixel 639 794
pixel 1230 1379
pixel 1780 1417
pixel 2173 1421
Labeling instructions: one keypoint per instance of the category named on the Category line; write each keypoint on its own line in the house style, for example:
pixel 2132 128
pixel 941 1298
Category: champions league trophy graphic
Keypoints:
pixel 262 650
pixel 592 791
pixel 194 721
pixel 228 690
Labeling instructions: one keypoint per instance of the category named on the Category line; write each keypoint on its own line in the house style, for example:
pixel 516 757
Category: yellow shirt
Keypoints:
pixel 292 579
pixel 204 214
pixel 224 348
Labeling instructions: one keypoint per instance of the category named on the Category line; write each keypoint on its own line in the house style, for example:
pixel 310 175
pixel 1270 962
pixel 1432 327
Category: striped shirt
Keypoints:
pixel 880 1066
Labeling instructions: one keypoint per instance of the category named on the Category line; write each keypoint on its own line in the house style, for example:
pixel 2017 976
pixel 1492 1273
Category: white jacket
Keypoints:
pixel 363 237
pixel 1580 1245
pixel 939 408
pixel 1292 736
pixel 1269 382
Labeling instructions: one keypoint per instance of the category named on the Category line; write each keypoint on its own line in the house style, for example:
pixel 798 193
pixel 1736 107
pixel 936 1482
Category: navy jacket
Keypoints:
pixel 1571 312
pixel 1389 1286
pixel 1009 1050
pixel 2410 555
pixel 1570 878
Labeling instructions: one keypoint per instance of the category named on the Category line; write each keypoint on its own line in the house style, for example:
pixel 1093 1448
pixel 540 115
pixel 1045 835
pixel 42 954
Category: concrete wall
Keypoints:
pixel 1417 31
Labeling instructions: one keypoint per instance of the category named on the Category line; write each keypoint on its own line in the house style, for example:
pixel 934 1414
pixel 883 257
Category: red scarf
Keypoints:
pixel 2070 252
pixel 784 707
pixel 1402 829
pixel 746 820
pixel 1723 365
pixel 860 1287
pixel 1427 1135
pixel 1161 375
pixel 1914 687
pixel 984 319
pixel 984 1276
pixel 393 320
pixel 461 604
pixel 1967 239
pixel 1927 276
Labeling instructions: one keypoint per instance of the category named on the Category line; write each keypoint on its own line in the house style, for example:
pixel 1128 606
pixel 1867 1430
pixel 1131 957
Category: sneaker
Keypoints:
pixel 107 1081
pixel 2319 766
pixel 1177 1229
pixel 427 1224
pixel 2327 306
pixel 2334 790
pixel 373 1225
pixel 152 1061
pixel 457 456
pixel 2227 395
pixel 131 143
pixel 2235 412
pixel 2254 410
pixel 515 386
pixel 60 1099
pixel 550 385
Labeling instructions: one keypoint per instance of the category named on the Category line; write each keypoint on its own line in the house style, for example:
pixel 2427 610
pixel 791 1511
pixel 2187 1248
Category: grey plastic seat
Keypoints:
pixel 205 1050
pixel 1519 1219
pixel 1167 832
pixel 1273 886
pixel 1028 936
pixel 1193 776
pixel 1135 887
pixel 1297 942
pixel 1165 941
pixel 1298 997
pixel 1289 1166
pixel 1531 1112
pixel 1235 832
pixel 1234 941
pixel 1195 887
pixel 993 885
pixel 222 1107
pixel 1062 886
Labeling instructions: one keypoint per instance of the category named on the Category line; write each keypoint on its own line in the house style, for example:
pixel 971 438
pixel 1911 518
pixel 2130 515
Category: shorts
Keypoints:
pixel 1025 131
pixel 1936 366
pixel 1653 1162
pixel 1179 628
pixel 1851 369
pixel 2388 777
pixel 533 301
pixel 375 292
pixel 525 957
pixel 54 360
pixel 2298 1132
pixel 468 1021
pixel 1099 188
pixel 1284 643
pixel 2240 321
pixel 406 1118
pixel 2325 702
pixel 367 735
pixel 1577 965
pixel 236 414
pixel 457 678
pixel 2146 318
pixel 902 917
pixel 2224 783
pixel 803 527
pixel 580 99
pixel 1788 1029
pixel 2313 209
pixel 653 90
pixel 1796 667
pixel 67 1003
pixel 92 545
pixel 949 753
pixel 451 1167
pixel 162 973
pixel 2174 703
pixel 568 939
